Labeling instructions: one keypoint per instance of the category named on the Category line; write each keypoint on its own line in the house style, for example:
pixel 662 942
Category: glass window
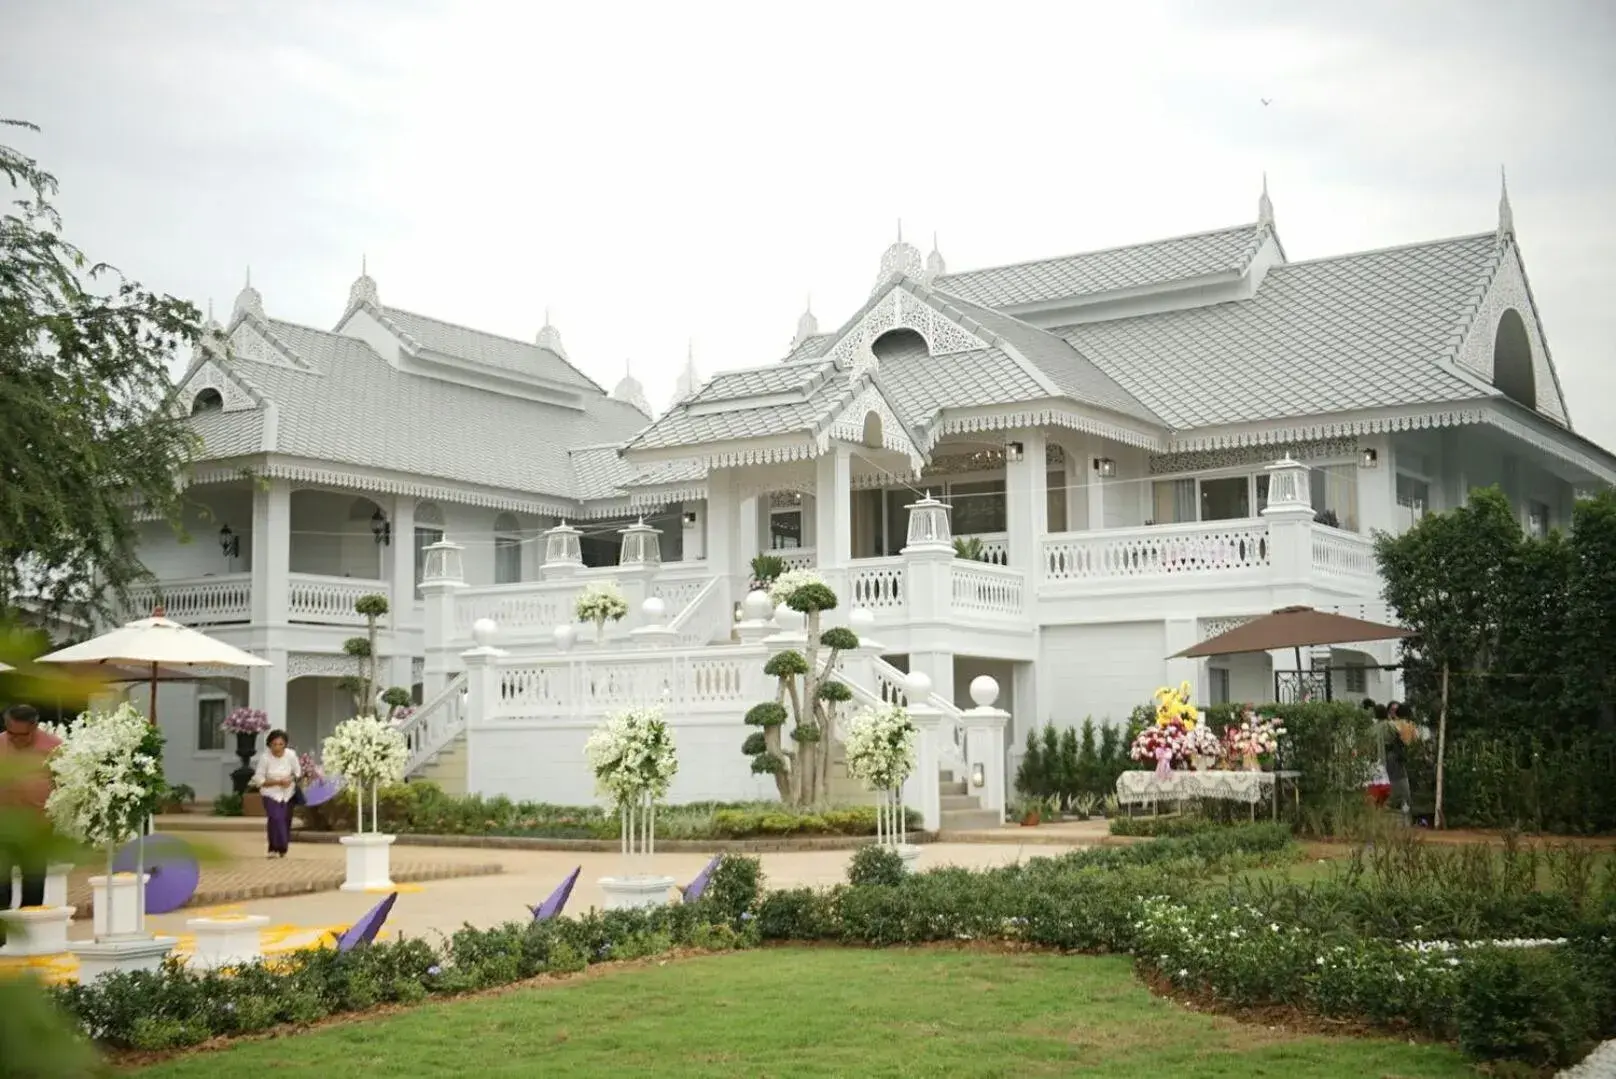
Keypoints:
pixel 1174 502
pixel 1227 499
pixel 785 530
pixel 507 559
pixel 1055 502
pixel 1335 495
pixel 1219 677
pixel 210 713
pixel 978 507
pixel 425 536
pixel 898 502
pixel 1357 680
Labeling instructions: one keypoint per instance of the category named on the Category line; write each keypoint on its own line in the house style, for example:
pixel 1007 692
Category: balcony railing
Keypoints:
pixel 1202 548
pixel 1345 554
pixel 199 601
pixel 329 601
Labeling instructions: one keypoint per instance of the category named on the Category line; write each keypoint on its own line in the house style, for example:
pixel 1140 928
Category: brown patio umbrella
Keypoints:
pixel 1295 628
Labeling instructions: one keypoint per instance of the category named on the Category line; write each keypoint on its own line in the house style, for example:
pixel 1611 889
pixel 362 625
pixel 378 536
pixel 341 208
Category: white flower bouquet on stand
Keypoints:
pixel 880 748
pixel 599 601
pixel 367 752
pixel 634 761
pixel 108 781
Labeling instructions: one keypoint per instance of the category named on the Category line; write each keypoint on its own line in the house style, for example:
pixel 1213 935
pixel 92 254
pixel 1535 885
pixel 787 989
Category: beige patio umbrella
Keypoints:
pixel 157 644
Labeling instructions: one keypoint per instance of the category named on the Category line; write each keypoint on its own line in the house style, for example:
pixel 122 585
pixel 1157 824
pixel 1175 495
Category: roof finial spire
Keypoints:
pixel 1265 206
pixel 363 290
pixel 1506 215
pixel 549 337
pixel 364 264
pixel 900 230
pixel 248 300
pixel 249 275
pixel 935 266
pixel 807 324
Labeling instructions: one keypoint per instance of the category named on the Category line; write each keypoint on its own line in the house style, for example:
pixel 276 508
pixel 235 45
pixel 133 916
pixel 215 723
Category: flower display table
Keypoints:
pixel 1146 787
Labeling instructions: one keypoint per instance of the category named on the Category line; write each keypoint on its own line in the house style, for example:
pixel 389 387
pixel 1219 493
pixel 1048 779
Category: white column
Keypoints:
pixel 833 508
pixel 922 791
pixel 1289 514
pixel 266 686
pixel 747 529
pixel 482 697
pixel 694 520
pixel 1094 484
pixel 984 745
pixel 1377 488
pixel 1026 486
pixel 438 628
pixel 271 552
pixel 402 553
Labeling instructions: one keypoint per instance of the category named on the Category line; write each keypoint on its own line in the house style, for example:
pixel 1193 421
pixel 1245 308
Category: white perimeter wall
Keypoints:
pixel 544 762
pixel 1102 671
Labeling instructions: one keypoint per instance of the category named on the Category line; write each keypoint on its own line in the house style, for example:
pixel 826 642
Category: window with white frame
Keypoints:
pixel 210 713
pixel 785 521
pixel 1537 519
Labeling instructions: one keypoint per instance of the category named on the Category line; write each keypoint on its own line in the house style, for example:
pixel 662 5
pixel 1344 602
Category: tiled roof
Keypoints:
pixel 755 381
pixel 687 424
pixel 229 434
pixel 1357 331
pixel 479 347
pixel 355 408
pixel 1159 262
pixel 810 348
pixel 918 384
pixel 1068 370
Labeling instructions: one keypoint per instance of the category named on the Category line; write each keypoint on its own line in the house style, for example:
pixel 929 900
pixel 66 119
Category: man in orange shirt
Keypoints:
pixel 25 782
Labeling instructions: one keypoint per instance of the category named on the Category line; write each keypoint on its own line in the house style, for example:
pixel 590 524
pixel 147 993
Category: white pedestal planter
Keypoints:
pixel 632 893
pixel 55 886
pixel 227 941
pixel 117 914
pixel 36 930
pixel 369 862
pixel 105 956
pixel 910 854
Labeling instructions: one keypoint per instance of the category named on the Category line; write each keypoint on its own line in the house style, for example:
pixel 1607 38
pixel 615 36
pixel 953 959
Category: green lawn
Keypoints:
pixel 825 1012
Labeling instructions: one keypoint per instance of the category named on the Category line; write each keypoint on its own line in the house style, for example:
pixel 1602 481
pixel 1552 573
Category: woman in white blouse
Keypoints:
pixel 276 779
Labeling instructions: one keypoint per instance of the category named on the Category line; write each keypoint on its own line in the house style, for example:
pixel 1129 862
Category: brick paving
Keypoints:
pixel 235 879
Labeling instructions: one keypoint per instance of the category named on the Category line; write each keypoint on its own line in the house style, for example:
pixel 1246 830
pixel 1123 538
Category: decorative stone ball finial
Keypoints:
pixel 483 631
pixel 861 620
pixel 917 686
pixel 565 636
pixel 984 691
pixel 654 611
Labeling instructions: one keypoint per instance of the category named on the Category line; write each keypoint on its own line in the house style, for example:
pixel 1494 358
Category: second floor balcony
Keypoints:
pixel 227 599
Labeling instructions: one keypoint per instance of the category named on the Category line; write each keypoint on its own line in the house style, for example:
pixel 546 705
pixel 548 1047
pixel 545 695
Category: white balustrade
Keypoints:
pixel 200 601
pixel 1341 552
pixel 580 686
pixel 704 617
pixel 529 605
pixel 986 589
pixel 876 583
pixel 891 687
pixel 795 557
pixel 995 547
pixel 1207 547
pixel 329 600
pixel 435 724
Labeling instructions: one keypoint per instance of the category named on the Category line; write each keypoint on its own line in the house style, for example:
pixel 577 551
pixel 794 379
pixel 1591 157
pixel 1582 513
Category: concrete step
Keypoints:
pixel 962 820
pixel 960 801
pixel 955 790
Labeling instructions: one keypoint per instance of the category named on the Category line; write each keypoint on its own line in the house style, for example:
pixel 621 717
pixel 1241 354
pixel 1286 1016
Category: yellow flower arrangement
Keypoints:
pixel 1173 706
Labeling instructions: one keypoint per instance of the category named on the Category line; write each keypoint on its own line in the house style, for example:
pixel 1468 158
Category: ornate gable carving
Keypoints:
pixel 1168 464
pixel 898 310
pixel 250 343
pixel 848 426
pixel 1508 290
pixel 210 377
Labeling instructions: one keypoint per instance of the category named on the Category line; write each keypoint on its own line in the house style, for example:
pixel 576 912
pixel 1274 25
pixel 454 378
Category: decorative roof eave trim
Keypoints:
pixel 1512 420
pixel 1054 413
pixel 609 508
pixel 327 474
pixel 664 496
pixel 779 449
pixel 1514 247
pixel 1309 429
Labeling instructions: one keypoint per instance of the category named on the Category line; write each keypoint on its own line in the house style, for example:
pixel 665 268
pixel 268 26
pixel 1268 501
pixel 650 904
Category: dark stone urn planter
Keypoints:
pixel 246 746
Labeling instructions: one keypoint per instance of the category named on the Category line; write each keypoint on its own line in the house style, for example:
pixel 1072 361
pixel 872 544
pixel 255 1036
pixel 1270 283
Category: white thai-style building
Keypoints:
pixel 1148 444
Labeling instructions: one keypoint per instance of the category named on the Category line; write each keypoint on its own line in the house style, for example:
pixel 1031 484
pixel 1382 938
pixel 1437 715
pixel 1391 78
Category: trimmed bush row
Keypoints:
pixel 423 808
pixel 1338 949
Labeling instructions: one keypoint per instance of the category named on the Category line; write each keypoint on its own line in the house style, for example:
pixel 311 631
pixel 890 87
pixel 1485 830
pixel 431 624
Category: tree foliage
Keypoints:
pixel 87 438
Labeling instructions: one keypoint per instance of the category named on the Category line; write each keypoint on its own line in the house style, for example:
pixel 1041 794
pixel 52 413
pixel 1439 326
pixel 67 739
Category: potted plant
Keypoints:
pixel 107 782
pixel 880 750
pixel 246 724
pixel 1029 811
pixel 179 798
pixel 634 761
pixel 1083 805
pixel 599 601
pixel 968 548
pixel 367 751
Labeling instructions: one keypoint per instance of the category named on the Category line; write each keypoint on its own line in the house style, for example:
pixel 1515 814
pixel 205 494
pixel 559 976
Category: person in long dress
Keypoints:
pixel 276 778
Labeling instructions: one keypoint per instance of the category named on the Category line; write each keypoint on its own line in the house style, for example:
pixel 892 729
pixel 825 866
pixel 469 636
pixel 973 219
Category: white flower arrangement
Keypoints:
pixel 787 584
pixel 880 746
pixel 366 750
pixel 600 601
pixel 633 757
pixel 108 777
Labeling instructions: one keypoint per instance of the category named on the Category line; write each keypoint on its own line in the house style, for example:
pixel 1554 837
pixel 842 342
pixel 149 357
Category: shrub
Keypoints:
pixel 1530 1004
pixel 875 865
pixel 1176 825
pixel 735 887
pixel 227 805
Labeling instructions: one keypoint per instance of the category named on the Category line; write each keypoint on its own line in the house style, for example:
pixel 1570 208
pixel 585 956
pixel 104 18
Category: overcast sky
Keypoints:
pixel 655 173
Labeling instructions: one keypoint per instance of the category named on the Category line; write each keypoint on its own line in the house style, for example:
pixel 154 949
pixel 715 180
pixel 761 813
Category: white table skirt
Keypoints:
pixel 1248 787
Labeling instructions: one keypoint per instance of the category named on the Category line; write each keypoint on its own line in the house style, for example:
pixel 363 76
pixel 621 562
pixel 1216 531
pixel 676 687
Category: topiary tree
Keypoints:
pixel 805 684
pixel 363 686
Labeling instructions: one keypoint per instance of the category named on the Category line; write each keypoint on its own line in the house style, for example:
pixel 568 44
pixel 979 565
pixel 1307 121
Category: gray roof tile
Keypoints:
pixel 504 352
pixel 920 384
pixel 1093 272
pixel 355 408
pixel 688 423
pixel 1369 330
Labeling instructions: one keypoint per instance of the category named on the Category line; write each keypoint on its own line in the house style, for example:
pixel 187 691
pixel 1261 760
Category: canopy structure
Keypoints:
pixel 1295 628
pixel 156 645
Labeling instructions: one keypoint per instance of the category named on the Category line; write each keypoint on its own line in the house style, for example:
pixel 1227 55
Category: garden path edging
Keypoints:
pixel 770 845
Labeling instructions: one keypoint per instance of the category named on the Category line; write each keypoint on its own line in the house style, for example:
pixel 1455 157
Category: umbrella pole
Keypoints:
pixel 151 711
pixel 1301 694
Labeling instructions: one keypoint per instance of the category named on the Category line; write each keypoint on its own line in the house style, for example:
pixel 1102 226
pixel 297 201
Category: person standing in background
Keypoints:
pixel 276 779
pixel 25 782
